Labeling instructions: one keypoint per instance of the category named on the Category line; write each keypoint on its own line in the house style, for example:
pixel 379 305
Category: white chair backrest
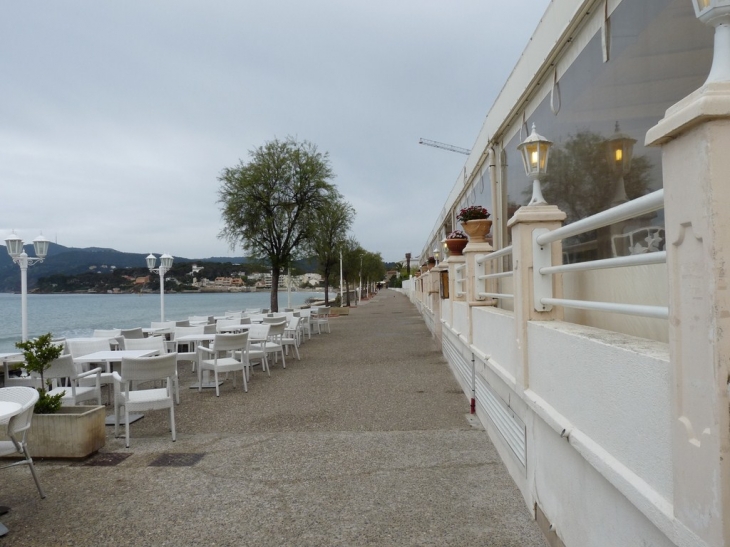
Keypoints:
pixel 151 342
pixel 107 333
pixel 276 330
pixel 227 322
pixel 77 348
pixel 143 369
pixel 293 323
pixel 133 333
pixel 183 323
pixel 259 331
pixel 230 342
pixel 305 313
pixel 275 320
pixel 182 331
pixel 201 319
pixel 162 324
pixel 245 320
pixel 62 367
pixel 26 397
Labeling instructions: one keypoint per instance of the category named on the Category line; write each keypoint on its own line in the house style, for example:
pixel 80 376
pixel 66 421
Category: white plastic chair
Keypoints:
pixel 74 393
pixel 79 348
pixel 228 353
pixel 258 334
pixel 16 427
pixel 275 344
pixel 226 323
pixel 306 316
pixel 185 350
pixel 321 319
pixel 291 336
pixel 156 343
pixel 133 399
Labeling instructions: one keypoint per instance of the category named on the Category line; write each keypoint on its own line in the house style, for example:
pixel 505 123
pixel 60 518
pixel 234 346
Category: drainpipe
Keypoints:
pixel 496 201
pixel 473 404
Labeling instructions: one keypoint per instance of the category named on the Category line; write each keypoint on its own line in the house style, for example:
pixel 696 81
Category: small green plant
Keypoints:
pixel 39 354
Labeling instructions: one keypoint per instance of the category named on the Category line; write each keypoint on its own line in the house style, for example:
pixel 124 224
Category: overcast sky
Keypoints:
pixel 116 118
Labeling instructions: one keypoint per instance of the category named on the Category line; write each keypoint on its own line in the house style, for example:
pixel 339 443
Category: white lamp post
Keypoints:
pixel 534 150
pixel 342 297
pixel 165 266
pixel 16 251
pixel 717 14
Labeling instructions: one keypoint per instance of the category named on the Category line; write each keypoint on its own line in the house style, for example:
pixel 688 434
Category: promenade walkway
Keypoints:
pixel 365 441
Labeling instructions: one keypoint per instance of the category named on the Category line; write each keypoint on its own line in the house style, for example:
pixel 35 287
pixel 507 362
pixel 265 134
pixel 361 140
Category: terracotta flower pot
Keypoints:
pixel 477 229
pixel 455 246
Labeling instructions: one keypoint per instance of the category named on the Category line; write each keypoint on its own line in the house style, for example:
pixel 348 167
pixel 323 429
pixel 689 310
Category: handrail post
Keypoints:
pixel 695 137
pixel 472 298
pixel 524 222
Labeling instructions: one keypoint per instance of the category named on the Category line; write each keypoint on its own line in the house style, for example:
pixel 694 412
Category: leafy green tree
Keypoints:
pixel 38 355
pixel 373 268
pixel 269 204
pixel 333 220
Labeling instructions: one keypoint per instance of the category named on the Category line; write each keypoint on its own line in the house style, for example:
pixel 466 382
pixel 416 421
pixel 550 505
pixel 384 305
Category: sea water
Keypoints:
pixel 77 315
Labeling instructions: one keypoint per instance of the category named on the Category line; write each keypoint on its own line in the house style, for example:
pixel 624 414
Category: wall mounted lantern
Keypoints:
pixel 535 149
pixel 716 13
pixel 620 151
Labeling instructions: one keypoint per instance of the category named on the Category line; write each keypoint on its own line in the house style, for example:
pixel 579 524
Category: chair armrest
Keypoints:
pixel 96 371
pixel 116 377
pixel 211 351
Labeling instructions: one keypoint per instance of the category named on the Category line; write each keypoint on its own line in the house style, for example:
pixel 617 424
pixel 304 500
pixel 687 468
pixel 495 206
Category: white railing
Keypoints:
pixel 481 277
pixel 460 280
pixel 543 268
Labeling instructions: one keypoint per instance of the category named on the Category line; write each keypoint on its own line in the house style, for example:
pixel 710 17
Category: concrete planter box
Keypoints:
pixel 73 432
pixel 339 311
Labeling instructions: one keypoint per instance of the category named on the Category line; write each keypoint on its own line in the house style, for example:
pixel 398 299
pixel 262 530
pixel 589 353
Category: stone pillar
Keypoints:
pixel 695 139
pixel 470 253
pixel 523 223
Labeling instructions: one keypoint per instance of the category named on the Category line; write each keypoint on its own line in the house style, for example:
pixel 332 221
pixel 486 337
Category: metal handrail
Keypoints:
pixel 630 209
pixel 460 279
pixel 480 261
pixel 542 238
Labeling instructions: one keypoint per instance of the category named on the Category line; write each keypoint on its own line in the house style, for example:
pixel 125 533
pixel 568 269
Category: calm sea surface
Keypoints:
pixel 77 315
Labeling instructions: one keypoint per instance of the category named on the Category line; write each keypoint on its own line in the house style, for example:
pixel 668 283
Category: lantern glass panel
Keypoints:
pixel 14 245
pixel 166 261
pixel 40 245
pixel 151 261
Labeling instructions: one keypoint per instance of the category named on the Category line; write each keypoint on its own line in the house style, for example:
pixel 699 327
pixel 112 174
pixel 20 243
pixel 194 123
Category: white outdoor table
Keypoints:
pixel 7 410
pixel 113 356
pixel 108 357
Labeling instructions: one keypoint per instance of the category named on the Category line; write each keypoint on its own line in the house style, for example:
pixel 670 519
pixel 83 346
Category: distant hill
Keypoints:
pixel 74 261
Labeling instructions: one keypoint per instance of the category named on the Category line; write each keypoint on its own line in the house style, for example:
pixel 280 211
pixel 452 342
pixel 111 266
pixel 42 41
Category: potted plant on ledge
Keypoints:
pixel 474 221
pixel 59 431
pixel 455 242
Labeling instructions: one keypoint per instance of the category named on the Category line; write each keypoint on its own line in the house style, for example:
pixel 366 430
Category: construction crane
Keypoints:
pixel 449 147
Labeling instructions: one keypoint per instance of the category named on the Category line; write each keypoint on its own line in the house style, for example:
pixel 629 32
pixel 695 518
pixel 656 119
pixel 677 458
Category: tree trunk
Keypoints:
pixel 326 272
pixel 274 290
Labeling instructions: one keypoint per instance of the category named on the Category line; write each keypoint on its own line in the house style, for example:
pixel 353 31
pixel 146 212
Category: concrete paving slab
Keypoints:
pixel 363 442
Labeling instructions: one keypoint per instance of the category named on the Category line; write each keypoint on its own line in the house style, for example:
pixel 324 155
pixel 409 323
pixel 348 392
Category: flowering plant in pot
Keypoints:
pixel 455 242
pixel 474 221
pixel 474 212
